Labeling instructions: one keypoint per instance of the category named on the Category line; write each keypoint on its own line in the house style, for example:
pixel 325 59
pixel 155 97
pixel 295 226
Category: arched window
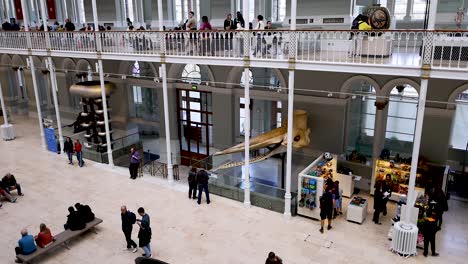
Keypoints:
pixel 361 119
pixel 145 104
pixel 401 119
pixel 459 137
pixel 191 74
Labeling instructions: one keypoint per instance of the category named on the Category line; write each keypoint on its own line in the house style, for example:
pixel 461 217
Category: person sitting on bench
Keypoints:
pixel 9 184
pixel 44 237
pixel 26 245
pixel 74 222
pixel 84 212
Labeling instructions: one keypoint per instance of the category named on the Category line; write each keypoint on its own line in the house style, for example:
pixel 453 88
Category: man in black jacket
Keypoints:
pixel 84 212
pixel 69 149
pixel 326 205
pixel 192 181
pixel 69 26
pixel 9 184
pixel 128 220
pixel 202 180
pixel 74 222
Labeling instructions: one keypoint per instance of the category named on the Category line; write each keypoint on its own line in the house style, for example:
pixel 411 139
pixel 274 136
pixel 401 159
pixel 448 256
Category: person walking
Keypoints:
pixel 326 205
pixel 79 153
pixel 378 201
pixel 68 148
pixel 128 220
pixel 429 231
pixel 144 235
pixel 134 163
pixel 202 180
pixel 192 181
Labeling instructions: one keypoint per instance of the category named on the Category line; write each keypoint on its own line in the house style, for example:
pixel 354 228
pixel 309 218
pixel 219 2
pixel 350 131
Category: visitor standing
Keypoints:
pixel 128 220
pixel 79 153
pixel 69 26
pixel 429 232
pixel 68 148
pixel 239 20
pixel 386 192
pixel 273 259
pixel 338 193
pixel 326 206
pixel 202 180
pixel 9 184
pixel 192 181
pixel 441 205
pixel 26 245
pixel 378 201
pixel 134 163
pixel 144 235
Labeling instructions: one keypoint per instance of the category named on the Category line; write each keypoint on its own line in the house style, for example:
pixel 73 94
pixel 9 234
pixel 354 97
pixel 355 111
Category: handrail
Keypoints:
pixel 250 30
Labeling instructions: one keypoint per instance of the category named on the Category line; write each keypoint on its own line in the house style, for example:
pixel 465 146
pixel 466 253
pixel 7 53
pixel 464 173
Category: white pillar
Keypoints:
pixel 2 102
pixel 142 13
pixel 293 14
pixel 33 75
pixel 409 10
pixel 432 15
pixel 287 195
pixel 247 137
pixel 160 16
pixel 106 115
pixel 245 12
pixel 416 145
pixel 53 82
pixel 170 175
pixel 118 13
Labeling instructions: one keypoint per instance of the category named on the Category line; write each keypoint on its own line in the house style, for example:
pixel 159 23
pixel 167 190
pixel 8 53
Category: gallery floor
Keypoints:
pixel 184 232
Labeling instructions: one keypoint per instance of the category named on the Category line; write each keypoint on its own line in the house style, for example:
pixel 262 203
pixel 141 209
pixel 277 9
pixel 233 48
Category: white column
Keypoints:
pixel 118 13
pixel 245 12
pixel 247 138
pixel 287 194
pixel 33 75
pixel 416 145
pixel 432 15
pixel 53 82
pixel 409 10
pixel 170 175
pixel 142 13
pixel 160 15
pixel 65 9
pixel 2 102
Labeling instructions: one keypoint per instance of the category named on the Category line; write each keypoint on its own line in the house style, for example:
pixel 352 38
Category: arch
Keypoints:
pixel 175 71
pixel 453 96
pixel 125 67
pixel 18 61
pixel 6 60
pixel 235 74
pixel 68 64
pixel 82 65
pixel 347 85
pixel 388 87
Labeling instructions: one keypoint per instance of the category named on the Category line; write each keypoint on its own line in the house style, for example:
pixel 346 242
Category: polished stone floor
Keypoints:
pixel 183 232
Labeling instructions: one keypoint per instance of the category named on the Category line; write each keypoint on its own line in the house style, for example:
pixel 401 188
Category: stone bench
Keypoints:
pixel 61 239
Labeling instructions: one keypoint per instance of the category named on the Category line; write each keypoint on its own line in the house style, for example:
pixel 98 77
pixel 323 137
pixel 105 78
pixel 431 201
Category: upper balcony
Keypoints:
pixel 380 52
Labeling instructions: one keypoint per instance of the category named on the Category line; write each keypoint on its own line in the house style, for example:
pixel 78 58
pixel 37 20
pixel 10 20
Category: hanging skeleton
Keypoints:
pixel 275 141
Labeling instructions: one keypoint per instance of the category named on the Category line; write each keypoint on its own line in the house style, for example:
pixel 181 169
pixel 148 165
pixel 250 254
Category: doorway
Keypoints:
pixel 195 125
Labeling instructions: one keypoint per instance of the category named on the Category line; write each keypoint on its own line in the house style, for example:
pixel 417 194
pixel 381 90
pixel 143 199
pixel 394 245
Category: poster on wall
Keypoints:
pixel 18 10
pixel 51 9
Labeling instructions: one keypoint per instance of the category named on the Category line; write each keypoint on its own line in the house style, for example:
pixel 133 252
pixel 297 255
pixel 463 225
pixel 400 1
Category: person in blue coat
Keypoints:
pixel 26 245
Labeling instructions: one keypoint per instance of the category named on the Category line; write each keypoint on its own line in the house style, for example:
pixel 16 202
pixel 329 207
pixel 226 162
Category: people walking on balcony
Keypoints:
pixel 192 181
pixel 259 35
pixel 144 235
pixel 79 153
pixel 190 24
pixel 202 180
pixel 134 163
pixel 68 148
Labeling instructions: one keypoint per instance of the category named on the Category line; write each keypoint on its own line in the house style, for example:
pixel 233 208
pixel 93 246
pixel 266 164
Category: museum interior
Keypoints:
pixel 387 104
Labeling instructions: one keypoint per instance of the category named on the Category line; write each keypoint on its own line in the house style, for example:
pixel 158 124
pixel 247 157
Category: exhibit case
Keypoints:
pixel 357 210
pixel 310 184
pixel 400 174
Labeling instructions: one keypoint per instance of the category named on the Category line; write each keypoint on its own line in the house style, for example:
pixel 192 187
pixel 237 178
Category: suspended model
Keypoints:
pixel 275 141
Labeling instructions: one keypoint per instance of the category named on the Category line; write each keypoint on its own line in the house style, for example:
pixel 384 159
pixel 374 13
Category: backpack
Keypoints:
pixel 355 24
pixel 132 218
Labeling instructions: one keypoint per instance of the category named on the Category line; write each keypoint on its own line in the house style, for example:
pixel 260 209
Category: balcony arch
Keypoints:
pixel 347 85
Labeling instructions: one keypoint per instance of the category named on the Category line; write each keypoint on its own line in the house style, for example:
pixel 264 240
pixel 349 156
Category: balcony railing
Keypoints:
pixel 407 48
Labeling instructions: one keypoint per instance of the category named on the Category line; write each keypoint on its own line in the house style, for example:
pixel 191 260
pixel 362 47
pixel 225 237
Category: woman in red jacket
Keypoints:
pixel 79 154
pixel 44 237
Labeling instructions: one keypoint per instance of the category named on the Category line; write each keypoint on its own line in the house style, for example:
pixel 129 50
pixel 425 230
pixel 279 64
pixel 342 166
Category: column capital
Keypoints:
pixel 380 105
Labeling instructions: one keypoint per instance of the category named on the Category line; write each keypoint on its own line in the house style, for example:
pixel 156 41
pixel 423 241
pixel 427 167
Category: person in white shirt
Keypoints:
pixel 260 23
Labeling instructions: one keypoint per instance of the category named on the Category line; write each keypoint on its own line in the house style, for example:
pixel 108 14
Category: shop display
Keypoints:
pixel 92 116
pixel 357 210
pixel 400 174
pixel 275 141
pixel 310 184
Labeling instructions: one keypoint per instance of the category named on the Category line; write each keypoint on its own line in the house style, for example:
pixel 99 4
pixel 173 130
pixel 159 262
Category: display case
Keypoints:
pixel 310 185
pixel 400 174
pixel 357 210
